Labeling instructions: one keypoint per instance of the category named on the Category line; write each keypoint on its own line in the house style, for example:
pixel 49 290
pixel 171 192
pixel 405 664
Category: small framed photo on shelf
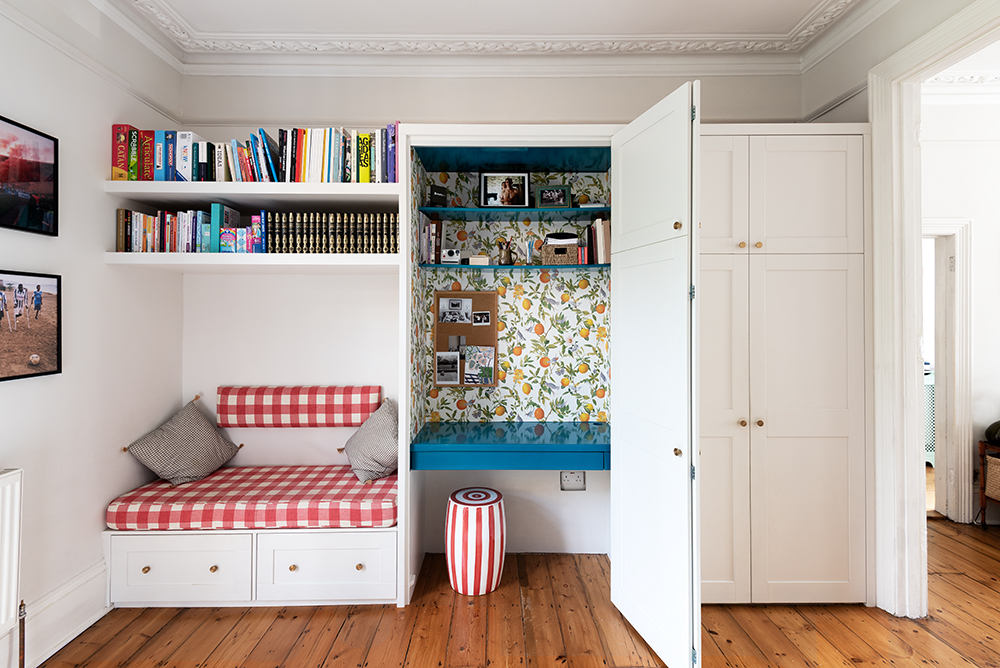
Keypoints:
pixel 552 197
pixel 503 189
pixel 29 174
pixel 30 314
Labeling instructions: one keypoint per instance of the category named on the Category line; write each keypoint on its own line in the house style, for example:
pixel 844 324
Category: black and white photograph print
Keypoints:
pixel 29 173
pixel 30 332
pixel 552 197
pixel 456 344
pixel 480 318
pixel 455 310
pixel 446 368
pixel 503 189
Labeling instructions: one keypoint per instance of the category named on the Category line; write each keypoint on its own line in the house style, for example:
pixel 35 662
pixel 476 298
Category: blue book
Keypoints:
pixel 170 155
pixel 203 230
pixel 270 150
pixel 222 218
pixel 159 155
pixel 263 231
pixel 252 158
pixel 392 152
pixel 237 167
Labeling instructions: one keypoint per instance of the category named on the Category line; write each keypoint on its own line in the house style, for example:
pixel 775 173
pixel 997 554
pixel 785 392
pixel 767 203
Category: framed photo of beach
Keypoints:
pixel 30 324
pixel 29 179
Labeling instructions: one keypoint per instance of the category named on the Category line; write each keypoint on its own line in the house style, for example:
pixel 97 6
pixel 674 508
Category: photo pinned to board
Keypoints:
pixel 455 310
pixel 480 318
pixel 446 368
pixel 479 362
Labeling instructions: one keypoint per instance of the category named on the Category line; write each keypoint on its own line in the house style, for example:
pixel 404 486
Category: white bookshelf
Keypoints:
pixel 259 263
pixel 242 196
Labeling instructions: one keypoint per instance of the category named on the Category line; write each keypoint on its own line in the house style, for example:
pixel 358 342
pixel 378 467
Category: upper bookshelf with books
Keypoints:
pixel 296 155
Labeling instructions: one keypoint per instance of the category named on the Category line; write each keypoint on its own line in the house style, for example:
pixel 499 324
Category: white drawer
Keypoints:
pixel 179 567
pixel 342 566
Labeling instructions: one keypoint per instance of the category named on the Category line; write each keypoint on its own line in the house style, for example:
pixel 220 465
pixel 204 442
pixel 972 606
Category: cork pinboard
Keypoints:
pixel 465 338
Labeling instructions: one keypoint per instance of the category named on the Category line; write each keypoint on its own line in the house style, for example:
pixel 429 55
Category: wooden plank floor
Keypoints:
pixel 554 610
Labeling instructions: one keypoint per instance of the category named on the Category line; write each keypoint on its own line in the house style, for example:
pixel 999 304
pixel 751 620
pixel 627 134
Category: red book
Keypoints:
pixel 119 151
pixel 147 145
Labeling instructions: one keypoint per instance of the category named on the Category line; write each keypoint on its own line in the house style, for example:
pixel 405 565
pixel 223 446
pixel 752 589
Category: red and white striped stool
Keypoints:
pixel 475 540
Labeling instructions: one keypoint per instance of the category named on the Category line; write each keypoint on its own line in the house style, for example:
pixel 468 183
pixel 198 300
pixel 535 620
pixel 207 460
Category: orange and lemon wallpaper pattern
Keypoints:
pixel 554 324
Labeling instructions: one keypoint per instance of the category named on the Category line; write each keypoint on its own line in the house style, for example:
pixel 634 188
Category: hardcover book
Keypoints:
pixel 270 151
pixel 170 155
pixel 146 150
pixel 364 157
pixel 185 155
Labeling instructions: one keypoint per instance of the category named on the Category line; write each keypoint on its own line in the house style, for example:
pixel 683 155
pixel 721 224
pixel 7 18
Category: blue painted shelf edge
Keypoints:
pixel 512 446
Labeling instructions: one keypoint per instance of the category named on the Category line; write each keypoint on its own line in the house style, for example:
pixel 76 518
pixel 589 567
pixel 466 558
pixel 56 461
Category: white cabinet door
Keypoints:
pixel 724 459
pixel 724 226
pixel 807 428
pixel 653 530
pixel 807 194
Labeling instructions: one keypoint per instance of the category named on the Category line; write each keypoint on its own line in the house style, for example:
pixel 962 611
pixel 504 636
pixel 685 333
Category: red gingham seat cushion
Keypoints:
pixel 260 497
pixel 297 406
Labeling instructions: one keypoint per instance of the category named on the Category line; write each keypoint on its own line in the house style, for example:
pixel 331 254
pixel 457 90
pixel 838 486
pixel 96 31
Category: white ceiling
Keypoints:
pixel 234 31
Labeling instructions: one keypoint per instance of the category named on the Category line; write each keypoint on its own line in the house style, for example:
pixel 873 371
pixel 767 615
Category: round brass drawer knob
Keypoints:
pixel 145 569
pixel 293 568
pixel 760 423
pixel 743 244
pixel 759 244
pixel 677 226
pixel 743 423
pixel 360 567
pixel 677 452
pixel 213 569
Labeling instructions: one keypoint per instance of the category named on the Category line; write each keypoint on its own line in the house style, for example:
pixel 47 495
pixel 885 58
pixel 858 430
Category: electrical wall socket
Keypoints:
pixel 572 481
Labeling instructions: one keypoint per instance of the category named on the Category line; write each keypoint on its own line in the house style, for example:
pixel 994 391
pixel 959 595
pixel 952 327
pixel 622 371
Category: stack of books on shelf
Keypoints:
pixel 224 230
pixel 298 155
pixel 595 243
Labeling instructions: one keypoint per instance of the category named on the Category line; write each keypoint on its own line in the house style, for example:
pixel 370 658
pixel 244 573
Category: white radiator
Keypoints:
pixel 10 546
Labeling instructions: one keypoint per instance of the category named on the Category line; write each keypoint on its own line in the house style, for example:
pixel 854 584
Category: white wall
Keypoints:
pixel 289 330
pixel 961 163
pixel 120 344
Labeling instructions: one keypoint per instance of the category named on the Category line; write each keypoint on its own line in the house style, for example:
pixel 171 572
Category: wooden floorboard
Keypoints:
pixel 555 610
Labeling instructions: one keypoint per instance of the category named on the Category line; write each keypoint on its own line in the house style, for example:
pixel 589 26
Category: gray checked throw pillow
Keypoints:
pixel 373 449
pixel 185 448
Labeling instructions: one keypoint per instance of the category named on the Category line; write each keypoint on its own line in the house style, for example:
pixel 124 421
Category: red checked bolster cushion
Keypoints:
pixel 297 406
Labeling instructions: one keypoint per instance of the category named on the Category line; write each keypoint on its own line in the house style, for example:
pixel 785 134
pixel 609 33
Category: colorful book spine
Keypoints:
pixel 255 234
pixel 270 149
pixel 147 146
pixel 227 240
pixel 364 157
pixel 119 152
pixel 391 128
pixel 159 155
pixel 133 155
pixel 185 155
pixel 170 155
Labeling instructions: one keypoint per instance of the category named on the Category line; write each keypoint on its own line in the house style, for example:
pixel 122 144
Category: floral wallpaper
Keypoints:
pixel 554 347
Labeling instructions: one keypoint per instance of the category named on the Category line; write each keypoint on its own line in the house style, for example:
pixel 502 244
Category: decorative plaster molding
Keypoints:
pixel 946 78
pixel 191 42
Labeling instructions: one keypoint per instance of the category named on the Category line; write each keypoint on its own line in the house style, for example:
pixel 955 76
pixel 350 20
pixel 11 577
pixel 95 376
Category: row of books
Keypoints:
pixel 595 242
pixel 298 155
pixel 224 230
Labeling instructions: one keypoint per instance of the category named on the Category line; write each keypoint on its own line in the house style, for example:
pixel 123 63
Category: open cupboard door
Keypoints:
pixel 654 569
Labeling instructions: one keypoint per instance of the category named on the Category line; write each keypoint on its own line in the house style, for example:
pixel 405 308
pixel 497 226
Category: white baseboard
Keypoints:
pixel 59 616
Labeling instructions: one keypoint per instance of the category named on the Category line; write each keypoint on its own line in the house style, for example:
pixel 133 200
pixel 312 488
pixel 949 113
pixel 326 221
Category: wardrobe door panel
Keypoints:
pixel 725 196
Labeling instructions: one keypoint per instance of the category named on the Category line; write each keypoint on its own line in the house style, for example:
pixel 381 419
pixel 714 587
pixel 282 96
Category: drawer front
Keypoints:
pixel 181 568
pixel 348 566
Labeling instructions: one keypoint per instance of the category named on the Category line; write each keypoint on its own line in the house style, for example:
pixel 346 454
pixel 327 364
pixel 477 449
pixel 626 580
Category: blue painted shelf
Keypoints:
pixel 586 213
pixel 512 446
pixel 465 267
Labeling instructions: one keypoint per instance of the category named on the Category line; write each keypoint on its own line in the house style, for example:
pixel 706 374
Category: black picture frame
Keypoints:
pixel 494 193
pixel 30 341
pixel 29 179
pixel 552 197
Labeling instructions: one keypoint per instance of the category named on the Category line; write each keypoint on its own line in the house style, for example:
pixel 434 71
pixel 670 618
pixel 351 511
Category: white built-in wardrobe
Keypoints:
pixel 784 218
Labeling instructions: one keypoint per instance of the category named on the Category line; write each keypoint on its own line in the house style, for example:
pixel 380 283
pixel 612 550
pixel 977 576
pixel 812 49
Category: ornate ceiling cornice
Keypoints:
pixel 192 42
pixel 964 79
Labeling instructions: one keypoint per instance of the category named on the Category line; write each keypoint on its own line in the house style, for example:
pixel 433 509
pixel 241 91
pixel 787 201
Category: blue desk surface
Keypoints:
pixel 512 446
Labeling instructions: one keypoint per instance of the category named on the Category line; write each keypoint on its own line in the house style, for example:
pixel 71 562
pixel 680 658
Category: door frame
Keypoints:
pixel 894 110
pixel 953 367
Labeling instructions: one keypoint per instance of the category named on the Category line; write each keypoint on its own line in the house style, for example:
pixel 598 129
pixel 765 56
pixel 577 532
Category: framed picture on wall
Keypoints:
pixel 29 174
pixel 30 330
pixel 503 189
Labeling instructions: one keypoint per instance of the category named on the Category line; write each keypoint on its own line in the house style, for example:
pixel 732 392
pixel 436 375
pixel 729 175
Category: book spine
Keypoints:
pixel 391 152
pixel 197 174
pixel 184 141
pixel 364 158
pixel 313 233
pixel 120 231
pixel 133 154
pixel 129 216
pixel 159 155
pixel 293 156
pixel 282 155
pixel 437 241
pixel 303 159
pixel 394 232
pixel 210 162
pixel 324 234
pixel 266 143
pixel 119 152
pixel 352 151
pixel 170 151
pixel 270 229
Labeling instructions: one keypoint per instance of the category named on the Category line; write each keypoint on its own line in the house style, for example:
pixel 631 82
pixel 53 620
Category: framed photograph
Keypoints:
pixel 29 172
pixel 552 197
pixel 480 318
pixel 446 368
pixel 30 335
pixel 503 189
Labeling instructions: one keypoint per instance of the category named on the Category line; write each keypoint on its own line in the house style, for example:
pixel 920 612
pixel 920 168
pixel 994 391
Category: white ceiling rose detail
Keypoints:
pixel 193 42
